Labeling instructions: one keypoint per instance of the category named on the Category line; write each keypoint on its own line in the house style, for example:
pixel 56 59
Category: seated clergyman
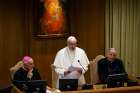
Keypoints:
pixel 110 65
pixel 27 71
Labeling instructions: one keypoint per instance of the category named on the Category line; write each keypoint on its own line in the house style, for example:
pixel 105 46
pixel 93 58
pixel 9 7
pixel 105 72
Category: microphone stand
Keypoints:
pixel 85 86
pixel 81 65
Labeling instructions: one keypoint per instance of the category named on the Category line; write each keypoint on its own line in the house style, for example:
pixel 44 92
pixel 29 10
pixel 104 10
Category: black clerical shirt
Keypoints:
pixel 106 68
pixel 21 75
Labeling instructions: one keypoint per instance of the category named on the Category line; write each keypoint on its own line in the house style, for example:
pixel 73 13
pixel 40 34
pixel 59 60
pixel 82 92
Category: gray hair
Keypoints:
pixel 112 50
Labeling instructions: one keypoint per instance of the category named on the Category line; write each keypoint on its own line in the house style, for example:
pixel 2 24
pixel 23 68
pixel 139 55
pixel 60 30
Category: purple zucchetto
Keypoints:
pixel 27 59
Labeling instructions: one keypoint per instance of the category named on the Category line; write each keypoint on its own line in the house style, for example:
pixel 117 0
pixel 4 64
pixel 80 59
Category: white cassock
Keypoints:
pixel 70 60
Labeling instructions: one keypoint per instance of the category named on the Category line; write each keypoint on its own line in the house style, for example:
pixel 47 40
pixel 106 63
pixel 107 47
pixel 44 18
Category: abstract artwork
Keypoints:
pixel 52 18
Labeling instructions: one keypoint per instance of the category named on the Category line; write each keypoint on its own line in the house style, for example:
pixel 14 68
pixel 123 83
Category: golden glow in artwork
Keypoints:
pixel 52 21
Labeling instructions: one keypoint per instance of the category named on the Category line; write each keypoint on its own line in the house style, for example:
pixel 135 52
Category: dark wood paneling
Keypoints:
pixel 44 52
pixel 88 25
pixel 12 37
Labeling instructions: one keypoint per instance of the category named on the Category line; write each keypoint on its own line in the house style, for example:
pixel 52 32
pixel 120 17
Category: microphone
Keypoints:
pixel 81 65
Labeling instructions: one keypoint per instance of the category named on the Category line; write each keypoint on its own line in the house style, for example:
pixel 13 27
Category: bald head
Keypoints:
pixel 111 54
pixel 71 42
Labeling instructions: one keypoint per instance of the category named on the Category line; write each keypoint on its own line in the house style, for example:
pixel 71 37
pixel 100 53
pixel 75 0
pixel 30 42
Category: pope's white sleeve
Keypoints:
pixel 85 62
pixel 57 64
pixel 59 71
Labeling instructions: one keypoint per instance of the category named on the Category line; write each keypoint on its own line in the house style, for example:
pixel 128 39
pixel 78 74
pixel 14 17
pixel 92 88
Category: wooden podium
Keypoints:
pixel 134 89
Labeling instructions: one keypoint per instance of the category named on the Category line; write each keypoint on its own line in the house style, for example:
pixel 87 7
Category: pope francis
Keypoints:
pixel 71 62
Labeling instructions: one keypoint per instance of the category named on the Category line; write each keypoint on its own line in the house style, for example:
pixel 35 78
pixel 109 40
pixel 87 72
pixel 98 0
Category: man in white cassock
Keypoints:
pixel 71 62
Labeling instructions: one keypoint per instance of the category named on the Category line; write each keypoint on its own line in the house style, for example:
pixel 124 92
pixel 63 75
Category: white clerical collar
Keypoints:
pixel 71 54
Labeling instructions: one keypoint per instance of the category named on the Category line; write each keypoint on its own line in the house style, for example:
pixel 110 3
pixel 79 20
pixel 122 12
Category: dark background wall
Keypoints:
pixel 13 36
pixel 16 40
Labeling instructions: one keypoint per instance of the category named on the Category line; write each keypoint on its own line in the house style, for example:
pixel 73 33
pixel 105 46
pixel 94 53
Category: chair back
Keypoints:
pixel 54 77
pixel 15 68
pixel 94 69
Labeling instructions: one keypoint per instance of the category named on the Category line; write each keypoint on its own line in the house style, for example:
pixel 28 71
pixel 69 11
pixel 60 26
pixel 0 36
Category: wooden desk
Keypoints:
pixel 134 89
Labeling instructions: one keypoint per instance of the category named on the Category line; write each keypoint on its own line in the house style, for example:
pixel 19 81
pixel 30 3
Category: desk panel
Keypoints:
pixel 134 89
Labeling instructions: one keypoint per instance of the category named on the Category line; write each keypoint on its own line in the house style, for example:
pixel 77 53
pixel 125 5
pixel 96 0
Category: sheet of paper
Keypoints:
pixel 72 75
pixel 74 68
